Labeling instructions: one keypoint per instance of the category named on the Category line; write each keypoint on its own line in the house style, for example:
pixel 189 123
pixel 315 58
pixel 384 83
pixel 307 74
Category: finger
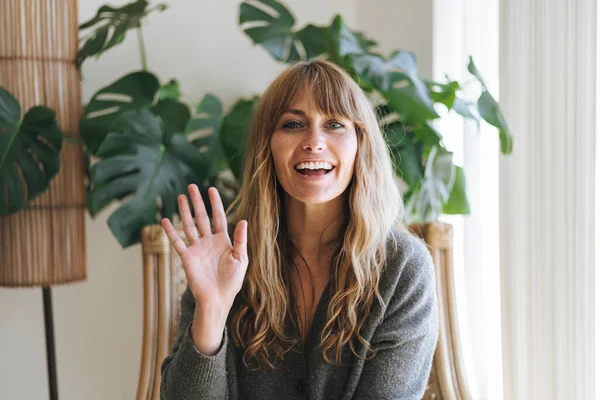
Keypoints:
pixel 219 218
pixel 173 236
pixel 240 241
pixel 191 233
pixel 200 211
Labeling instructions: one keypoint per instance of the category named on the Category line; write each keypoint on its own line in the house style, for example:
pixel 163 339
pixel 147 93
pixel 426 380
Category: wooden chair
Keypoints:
pixel 447 379
pixel 165 282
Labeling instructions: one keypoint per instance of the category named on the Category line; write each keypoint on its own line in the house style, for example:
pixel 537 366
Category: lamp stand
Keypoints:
pixel 50 348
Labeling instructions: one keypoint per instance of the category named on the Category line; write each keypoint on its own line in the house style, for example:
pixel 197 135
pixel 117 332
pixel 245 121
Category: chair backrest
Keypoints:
pixel 447 379
pixel 165 282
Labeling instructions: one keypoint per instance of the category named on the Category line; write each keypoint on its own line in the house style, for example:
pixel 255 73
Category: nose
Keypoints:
pixel 314 140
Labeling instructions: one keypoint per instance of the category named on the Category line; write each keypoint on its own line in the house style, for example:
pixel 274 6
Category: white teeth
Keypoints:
pixel 314 165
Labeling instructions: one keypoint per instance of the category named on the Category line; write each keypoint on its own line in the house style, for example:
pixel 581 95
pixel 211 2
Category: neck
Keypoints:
pixel 315 228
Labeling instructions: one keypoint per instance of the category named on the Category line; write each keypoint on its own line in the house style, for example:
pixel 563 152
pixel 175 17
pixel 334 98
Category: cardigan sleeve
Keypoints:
pixel 188 374
pixel 405 340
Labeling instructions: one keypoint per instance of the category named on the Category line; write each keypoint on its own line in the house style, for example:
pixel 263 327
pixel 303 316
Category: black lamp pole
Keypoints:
pixel 50 349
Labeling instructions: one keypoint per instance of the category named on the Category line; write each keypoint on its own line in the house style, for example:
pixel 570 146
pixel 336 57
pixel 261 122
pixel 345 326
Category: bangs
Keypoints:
pixel 334 94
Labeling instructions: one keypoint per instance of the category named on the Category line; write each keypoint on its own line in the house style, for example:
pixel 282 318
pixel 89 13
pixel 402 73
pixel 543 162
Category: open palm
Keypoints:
pixel 214 268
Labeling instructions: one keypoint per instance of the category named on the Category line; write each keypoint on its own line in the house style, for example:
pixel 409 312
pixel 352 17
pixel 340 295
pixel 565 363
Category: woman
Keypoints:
pixel 319 294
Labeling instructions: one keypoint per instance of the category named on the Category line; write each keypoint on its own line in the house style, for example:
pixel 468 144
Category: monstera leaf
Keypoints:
pixel 428 200
pixel 365 43
pixel 458 203
pixel 342 42
pixel 444 93
pixel 110 26
pixel 206 128
pixel 382 72
pixel 406 151
pixel 137 161
pixel 234 134
pixel 426 134
pixel 274 31
pixel 131 92
pixel 463 108
pixel 170 90
pixel 208 120
pixel 173 114
pixel 490 112
pixel 408 103
pixel 29 152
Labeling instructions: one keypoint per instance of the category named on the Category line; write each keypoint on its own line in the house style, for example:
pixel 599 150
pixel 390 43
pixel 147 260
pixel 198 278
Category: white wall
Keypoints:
pixel 98 321
pixel 400 25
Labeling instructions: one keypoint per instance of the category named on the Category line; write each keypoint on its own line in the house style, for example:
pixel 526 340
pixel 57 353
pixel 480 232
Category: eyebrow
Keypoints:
pixel 295 111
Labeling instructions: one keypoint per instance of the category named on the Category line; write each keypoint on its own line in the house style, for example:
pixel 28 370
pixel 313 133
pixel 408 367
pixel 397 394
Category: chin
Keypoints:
pixel 314 198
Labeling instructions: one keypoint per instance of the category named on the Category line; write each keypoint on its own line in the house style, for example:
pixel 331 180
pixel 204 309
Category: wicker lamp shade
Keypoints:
pixel 44 244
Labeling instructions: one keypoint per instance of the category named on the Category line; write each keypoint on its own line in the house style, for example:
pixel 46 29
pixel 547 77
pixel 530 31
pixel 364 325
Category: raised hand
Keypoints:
pixel 214 267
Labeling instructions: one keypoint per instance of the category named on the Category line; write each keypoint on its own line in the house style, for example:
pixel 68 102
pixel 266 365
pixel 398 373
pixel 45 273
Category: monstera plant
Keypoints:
pixel 145 145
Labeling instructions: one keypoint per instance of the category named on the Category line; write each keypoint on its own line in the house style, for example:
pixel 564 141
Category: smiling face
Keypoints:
pixel 313 153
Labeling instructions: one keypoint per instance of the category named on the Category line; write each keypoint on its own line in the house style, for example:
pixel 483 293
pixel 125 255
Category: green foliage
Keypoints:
pixel 170 90
pixel 29 152
pixel 406 153
pixel 275 32
pixel 140 158
pixel 224 142
pixel 490 112
pixel 457 202
pixel 233 137
pixel 110 25
pixel 146 145
pixel 433 191
pixel 150 147
pixel 131 92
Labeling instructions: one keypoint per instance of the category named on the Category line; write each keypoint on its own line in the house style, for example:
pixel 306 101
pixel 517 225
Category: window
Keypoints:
pixel 462 29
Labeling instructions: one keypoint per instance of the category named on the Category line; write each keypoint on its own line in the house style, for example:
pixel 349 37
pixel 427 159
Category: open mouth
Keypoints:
pixel 314 168
pixel 314 172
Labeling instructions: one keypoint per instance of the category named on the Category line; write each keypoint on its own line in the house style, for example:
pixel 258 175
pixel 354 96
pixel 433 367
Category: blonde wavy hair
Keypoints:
pixel 374 207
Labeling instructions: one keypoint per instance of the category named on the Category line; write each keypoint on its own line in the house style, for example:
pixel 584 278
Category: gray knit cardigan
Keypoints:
pixel 404 332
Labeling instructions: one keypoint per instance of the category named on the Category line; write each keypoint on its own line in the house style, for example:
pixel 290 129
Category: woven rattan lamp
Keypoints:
pixel 44 245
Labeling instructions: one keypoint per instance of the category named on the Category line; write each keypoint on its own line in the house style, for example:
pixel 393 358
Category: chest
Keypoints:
pixel 308 291
pixel 307 301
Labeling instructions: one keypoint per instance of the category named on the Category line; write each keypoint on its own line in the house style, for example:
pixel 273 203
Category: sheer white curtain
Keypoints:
pixel 464 28
pixel 548 92
pixel 597 218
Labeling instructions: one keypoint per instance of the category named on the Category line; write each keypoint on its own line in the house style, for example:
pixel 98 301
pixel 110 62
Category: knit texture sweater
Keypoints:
pixel 404 332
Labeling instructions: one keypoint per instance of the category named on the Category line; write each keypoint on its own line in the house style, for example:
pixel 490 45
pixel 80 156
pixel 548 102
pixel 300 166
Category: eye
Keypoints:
pixel 292 125
pixel 335 125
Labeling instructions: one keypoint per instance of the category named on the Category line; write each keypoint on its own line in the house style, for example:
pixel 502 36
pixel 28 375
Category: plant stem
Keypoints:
pixel 142 49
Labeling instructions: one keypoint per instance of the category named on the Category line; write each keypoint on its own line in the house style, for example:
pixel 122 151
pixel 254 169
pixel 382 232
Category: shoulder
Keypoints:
pixel 403 245
pixel 408 266
pixel 406 254
pixel 408 290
